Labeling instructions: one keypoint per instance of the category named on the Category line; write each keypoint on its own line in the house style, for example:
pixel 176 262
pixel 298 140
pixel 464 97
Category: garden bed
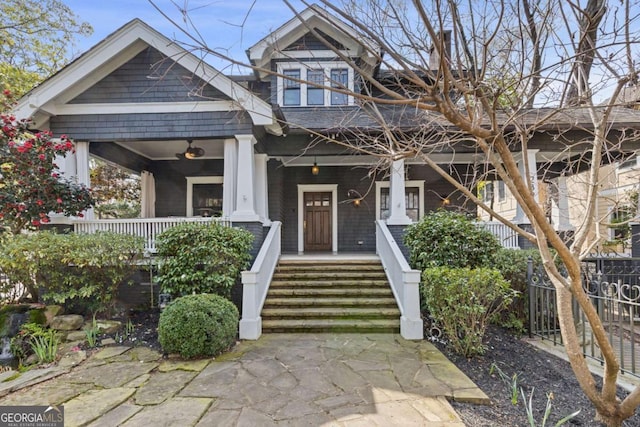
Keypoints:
pixel 535 368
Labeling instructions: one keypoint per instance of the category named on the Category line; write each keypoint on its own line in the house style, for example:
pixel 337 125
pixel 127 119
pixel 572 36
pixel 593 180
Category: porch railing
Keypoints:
pixel 613 285
pixel 255 283
pixel 148 228
pixel 404 282
pixel 506 236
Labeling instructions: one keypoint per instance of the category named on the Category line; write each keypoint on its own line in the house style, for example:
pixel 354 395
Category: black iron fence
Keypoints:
pixel 613 285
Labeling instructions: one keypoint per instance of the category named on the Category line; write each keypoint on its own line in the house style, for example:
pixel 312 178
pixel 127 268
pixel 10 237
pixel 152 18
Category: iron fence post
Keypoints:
pixel 531 293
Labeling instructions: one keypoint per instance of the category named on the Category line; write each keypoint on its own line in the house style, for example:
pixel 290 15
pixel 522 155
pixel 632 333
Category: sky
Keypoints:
pixel 218 21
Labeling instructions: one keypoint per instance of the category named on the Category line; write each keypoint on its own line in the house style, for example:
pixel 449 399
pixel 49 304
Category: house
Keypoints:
pixel 251 149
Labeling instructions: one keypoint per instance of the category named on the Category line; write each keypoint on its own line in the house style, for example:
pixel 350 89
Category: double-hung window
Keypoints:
pixel 315 89
pixel 340 80
pixel 291 87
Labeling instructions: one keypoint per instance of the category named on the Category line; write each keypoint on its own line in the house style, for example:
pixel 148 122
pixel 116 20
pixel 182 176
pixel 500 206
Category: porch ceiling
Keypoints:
pixel 166 150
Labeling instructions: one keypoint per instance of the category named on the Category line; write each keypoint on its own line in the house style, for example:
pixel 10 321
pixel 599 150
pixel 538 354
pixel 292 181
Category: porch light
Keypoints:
pixel 315 169
pixel 356 203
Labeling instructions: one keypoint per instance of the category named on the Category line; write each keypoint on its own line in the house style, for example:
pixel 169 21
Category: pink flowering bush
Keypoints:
pixel 30 183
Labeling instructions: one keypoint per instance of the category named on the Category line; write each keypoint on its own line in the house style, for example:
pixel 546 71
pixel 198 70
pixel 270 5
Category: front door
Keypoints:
pixel 317 221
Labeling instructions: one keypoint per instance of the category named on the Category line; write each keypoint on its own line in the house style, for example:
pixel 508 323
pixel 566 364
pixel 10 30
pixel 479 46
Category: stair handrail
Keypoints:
pixel 255 283
pixel 404 282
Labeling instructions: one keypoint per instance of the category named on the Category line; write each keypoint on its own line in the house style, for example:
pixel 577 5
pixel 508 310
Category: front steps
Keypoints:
pixel 330 296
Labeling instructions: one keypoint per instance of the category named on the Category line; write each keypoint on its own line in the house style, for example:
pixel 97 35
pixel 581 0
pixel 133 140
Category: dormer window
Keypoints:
pixel 315 79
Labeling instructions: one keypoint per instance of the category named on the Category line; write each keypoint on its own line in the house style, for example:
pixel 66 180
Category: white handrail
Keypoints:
pixel 404 282
pixel 255 284
pixel 148 228
pixel 506 236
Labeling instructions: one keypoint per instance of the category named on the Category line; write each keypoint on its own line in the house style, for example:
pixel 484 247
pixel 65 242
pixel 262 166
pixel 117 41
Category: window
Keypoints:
pixel 501 191
pixel 413 198
pixel 631 162
pixel 339 79
pixel 620 227
pixel 327 74
pixel 204 196
pixel 291 88
pixel 485 192
pixel 315 95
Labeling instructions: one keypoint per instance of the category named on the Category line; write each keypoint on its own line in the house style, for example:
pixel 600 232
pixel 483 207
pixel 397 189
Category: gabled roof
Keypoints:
pixel 114 51
pixel 261 53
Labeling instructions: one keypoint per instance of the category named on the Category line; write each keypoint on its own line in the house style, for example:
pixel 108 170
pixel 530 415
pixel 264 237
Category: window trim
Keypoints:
pixel 191 180
pixel 326 67
pixel 407 184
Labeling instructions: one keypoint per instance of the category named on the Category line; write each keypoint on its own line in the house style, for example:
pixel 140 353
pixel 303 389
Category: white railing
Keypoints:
pixel 255 284
pixel 148 228
pixel 404 283
pixel 506 236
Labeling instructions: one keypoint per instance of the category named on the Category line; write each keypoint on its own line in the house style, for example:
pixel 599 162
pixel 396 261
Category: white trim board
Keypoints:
pixel 309 188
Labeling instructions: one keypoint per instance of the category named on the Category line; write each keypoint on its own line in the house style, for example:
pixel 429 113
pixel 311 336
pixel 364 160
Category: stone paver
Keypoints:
pixel 333 380
pixel 178 411
pixel 162 386
pixel 93 404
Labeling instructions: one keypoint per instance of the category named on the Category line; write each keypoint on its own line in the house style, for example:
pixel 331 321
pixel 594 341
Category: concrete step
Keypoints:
pixel 331 325
pixel 331 312
pixel 340 262
pixel 333 301
pixel 329 292
pixel 285 268
pixel 333 283
pixel 328 274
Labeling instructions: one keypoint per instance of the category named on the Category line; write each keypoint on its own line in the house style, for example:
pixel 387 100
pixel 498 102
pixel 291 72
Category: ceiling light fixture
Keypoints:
pixel 191 152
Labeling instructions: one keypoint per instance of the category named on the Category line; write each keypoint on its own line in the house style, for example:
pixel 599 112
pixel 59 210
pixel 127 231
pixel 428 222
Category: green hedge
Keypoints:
pixel 202 258
pixel 198 325
pixel 85 269
pixel 463 301
pixel 444 238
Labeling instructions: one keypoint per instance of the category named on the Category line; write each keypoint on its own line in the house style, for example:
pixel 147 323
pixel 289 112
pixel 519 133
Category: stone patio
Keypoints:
pixel 280 379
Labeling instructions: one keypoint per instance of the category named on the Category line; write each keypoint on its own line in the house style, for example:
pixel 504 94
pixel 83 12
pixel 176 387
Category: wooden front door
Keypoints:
pixel 317 222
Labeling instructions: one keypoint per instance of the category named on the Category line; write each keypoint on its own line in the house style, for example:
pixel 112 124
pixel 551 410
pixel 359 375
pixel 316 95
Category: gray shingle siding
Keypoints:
pixel 109 127
pixel 150 77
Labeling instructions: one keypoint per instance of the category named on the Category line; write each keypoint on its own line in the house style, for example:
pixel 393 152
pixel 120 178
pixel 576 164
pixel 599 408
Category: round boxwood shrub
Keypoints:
pixel 198 325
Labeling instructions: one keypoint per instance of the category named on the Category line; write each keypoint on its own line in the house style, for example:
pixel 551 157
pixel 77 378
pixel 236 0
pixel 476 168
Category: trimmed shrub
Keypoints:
pixel 444 238
pixel 83 269
pixel 463 301
pixel 202 258
pixel 512 264
pixel 198 325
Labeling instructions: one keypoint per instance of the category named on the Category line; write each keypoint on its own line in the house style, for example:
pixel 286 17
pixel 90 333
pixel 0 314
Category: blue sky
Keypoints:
pixel 218 21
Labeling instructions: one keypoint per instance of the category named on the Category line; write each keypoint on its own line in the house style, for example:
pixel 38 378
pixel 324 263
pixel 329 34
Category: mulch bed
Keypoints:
pixel 535 369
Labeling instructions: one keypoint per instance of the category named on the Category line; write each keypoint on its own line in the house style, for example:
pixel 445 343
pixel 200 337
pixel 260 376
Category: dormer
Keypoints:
pixel 315 47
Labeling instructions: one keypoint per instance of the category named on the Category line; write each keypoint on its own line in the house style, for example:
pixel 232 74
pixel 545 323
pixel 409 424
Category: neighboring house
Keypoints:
pixel 137 99
pixel 563 197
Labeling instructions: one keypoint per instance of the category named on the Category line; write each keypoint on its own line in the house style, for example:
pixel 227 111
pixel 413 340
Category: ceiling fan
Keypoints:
pixel 191 152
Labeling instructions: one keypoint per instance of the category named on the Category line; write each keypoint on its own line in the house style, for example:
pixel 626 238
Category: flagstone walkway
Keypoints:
pixel 278 380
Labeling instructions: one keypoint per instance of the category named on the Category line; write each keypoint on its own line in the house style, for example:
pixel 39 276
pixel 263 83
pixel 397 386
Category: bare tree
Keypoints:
pixel 507 56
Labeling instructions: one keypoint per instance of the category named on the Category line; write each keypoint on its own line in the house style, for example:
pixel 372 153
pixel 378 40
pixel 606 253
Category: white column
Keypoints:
pixel 564 222
pixel 398 208
pixel 262 195
pixel 82 170
pixel 230 174
pixel 245 210
pixel 530 158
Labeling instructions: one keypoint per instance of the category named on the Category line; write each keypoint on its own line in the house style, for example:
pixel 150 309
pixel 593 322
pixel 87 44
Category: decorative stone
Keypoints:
pixel 76 336
pixel 108 341
pixel 105 326
pixel 67 322
pixel 52 311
